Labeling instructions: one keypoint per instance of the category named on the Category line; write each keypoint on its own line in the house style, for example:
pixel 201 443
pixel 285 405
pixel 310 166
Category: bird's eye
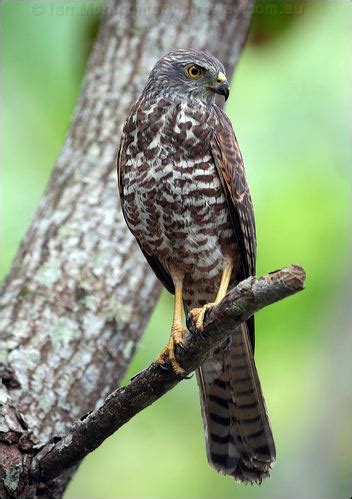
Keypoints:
pixel 194 71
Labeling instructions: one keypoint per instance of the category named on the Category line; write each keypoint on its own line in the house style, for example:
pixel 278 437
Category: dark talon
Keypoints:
pixel 202 335
pixel 190 324
pixel 206 314
pixel 164 367
pixel 181 345
pixel 190 376
pixel 192 327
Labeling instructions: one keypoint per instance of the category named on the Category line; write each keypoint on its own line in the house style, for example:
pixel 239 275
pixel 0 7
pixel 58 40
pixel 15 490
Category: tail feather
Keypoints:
pixel 238 434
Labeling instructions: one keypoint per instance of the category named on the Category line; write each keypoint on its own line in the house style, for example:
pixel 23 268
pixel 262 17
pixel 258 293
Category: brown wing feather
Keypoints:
pixel 229 164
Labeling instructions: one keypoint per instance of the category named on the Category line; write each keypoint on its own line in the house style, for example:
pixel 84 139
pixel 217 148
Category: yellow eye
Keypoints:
pixel 194 71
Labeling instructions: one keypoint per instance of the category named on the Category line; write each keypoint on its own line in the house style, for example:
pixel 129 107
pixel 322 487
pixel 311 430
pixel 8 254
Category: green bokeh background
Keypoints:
pixel 289 107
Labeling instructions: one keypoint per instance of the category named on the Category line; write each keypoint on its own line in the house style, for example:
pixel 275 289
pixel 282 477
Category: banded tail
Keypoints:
pixel 238 433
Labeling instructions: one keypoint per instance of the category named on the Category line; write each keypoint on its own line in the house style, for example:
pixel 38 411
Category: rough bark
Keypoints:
pixel 79 293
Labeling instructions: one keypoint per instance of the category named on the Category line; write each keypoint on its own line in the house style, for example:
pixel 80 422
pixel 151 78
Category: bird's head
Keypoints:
pixel 189 73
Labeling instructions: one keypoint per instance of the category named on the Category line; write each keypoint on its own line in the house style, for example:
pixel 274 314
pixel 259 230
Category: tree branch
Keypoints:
pixel 120 406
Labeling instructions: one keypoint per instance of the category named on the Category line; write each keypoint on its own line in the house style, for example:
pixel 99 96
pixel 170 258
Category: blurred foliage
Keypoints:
pixel 271 19
pixel 289 109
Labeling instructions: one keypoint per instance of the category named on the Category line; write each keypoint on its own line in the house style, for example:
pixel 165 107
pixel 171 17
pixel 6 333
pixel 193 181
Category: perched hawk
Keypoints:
pixel 185 197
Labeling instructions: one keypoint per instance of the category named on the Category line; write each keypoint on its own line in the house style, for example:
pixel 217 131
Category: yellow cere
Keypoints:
pixel 221 77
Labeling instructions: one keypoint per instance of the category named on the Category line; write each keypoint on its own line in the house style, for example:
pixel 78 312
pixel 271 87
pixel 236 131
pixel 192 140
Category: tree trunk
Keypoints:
pixel 79 292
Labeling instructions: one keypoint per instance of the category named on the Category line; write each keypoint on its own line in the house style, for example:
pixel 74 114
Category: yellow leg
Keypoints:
pixel 198 314
pixel 224 283
pixel 177 330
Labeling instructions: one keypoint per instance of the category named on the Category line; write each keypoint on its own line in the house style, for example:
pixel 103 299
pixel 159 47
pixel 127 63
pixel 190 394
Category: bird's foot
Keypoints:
pixel 197 316
pixel 176 338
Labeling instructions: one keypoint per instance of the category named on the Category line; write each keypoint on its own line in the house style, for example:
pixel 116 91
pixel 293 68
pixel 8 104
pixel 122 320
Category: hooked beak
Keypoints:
pixel 224 90
pixel 221 86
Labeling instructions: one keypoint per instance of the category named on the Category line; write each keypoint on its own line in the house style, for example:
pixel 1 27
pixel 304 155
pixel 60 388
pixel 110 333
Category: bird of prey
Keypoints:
pixel 185 197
